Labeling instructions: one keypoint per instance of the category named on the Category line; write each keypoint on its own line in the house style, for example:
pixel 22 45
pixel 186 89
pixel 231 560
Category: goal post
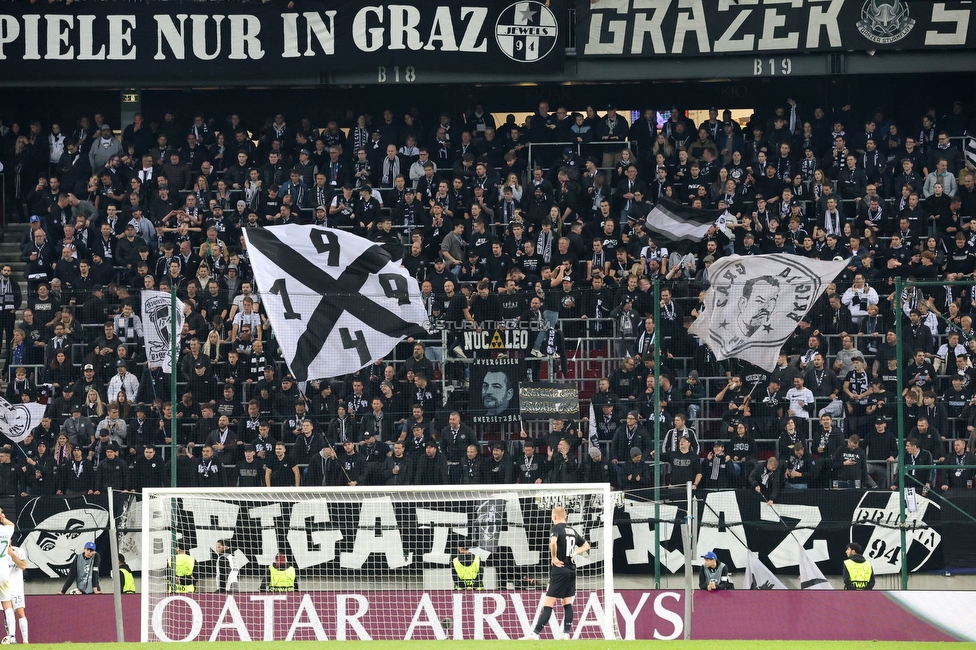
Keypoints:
pixel 393 563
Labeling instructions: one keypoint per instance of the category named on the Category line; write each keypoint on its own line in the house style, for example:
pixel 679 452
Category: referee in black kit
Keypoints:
pixel 565 543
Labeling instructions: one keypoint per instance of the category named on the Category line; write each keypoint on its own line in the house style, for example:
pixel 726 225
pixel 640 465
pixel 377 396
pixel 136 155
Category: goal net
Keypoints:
pixel 364 563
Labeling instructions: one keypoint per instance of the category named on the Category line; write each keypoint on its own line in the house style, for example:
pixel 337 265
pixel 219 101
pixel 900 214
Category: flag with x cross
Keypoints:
pixel 336 301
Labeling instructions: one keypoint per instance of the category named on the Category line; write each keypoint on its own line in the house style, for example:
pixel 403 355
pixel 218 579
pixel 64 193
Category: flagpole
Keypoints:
pixel 900 352
pixel 173 337
pixel 656 412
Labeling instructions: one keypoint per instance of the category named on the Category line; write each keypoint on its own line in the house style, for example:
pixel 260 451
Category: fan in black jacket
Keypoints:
pixel 564 466
pixel 334 466
pixel 920 479
pixel 627 436
pixel 635 473
pixel 498 469
pixel 395 469
pixel 11 476
pixel 112 472
pixel 210 473
pixel 716 468
pixel 373 453
pixel 801 469
pixel 767 480
pixel 596 468
pixel 431 468
pixel 953 476
pixel 40 472
pixel 78 476
pixel 39 255
pixel 148 470
pixel 530 467
pixel 468 470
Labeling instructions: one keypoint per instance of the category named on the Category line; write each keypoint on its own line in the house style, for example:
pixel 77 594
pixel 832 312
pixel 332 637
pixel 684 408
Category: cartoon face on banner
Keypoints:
pixel 875 527
pixel 159 320
pixel 17 420
pixel 494 390
pixel 159 328
pixel 56 530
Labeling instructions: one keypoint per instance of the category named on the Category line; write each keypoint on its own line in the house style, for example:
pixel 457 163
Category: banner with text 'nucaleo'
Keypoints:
pixel 335 300
pixel 754 303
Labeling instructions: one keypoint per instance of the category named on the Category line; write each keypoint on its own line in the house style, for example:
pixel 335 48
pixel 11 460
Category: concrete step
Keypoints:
pixel 10 254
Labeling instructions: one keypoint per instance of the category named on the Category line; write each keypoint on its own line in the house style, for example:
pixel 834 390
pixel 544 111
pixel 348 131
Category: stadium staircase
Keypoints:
pixel 10 254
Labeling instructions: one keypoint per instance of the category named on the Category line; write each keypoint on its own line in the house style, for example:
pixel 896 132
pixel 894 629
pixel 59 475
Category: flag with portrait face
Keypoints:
pixel 754 303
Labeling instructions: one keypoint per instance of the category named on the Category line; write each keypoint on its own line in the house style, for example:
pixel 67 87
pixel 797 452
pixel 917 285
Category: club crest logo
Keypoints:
pixel 527 31
pixel 875 527
pixel 885 21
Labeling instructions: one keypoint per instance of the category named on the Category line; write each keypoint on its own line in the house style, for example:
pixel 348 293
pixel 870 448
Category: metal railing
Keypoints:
pixel 548 154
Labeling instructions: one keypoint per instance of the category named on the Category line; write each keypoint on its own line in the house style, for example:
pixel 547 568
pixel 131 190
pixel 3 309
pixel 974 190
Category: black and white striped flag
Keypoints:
pixel 676 222
pixel 971 151
pixel 336 301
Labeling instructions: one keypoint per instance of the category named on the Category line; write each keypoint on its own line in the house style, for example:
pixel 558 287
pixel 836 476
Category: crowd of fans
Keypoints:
pixel 557 243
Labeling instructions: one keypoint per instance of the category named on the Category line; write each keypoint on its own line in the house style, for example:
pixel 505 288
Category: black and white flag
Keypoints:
pixel 676 222
pixel 158 326
pixel 811 577
pixel 755 302
pixel 971 151
pixel 758 575
pixel 19 419
pixel 336 301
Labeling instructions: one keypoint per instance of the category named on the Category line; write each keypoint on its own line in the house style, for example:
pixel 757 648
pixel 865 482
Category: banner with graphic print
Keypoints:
pixel 495 390
pixel 732 523
pixel 159 327
pixel 754 303
pixel 636 28
pixel 539 400
pixel 19 419
pixel 137 43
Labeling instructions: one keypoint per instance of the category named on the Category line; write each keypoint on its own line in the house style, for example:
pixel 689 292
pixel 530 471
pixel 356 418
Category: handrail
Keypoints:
pixel 578 147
